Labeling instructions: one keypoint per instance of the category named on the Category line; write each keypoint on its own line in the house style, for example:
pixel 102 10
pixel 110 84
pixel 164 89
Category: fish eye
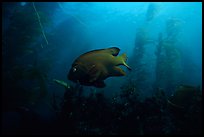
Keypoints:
pixel 74 69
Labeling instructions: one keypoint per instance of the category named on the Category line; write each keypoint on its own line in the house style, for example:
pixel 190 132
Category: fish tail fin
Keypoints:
pixel 124 57
pixel 124 60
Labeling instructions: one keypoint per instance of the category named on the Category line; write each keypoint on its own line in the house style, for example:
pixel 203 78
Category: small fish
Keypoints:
pixel 93 67
pixel 60 82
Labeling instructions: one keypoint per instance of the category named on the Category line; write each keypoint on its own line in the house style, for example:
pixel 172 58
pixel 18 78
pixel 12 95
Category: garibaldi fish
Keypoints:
pixel 93 67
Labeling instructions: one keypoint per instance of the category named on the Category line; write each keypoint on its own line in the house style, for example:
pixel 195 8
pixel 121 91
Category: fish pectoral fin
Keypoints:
pixel 92 69
pixel 117 71
pixel 93 73
pixel 99 84
pixel 94 77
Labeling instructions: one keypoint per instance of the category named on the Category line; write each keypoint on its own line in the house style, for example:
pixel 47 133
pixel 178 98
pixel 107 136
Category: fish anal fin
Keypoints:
pixel 117 71
pixel 99 84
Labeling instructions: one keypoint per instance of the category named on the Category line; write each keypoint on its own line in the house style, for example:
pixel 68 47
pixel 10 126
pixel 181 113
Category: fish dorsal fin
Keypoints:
pixel 113 51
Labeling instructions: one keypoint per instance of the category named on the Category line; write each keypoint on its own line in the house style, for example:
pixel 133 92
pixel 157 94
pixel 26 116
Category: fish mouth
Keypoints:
pixel 70 77
pixel 75 78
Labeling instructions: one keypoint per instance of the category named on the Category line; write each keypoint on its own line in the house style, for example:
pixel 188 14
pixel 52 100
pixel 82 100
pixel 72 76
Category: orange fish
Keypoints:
pixel 93 67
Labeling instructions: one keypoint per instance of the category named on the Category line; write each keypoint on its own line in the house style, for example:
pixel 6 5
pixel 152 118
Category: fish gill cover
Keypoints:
pixel 49 88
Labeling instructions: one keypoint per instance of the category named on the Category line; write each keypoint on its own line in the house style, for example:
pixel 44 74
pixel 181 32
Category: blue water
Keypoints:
pixel 115 24
pixel 31 59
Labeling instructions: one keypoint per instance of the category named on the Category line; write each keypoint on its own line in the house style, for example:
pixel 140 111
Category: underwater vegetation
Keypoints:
pixel 122 114
pixel 24 47
pixel 139 73
pixel 21 63
pixel 168 58
pixel 126 114
pixel 41 41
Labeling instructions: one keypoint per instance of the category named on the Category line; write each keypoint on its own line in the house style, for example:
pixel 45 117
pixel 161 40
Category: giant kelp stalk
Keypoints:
pixel 75 17
pixel 173 27
pixel 138 75
pixel 159 60
pixel 22 65
pixel 152 11
pixel 41 26
pixel 168 65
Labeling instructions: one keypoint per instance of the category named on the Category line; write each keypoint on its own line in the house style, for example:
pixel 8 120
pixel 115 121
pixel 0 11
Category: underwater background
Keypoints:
pixel 162 94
